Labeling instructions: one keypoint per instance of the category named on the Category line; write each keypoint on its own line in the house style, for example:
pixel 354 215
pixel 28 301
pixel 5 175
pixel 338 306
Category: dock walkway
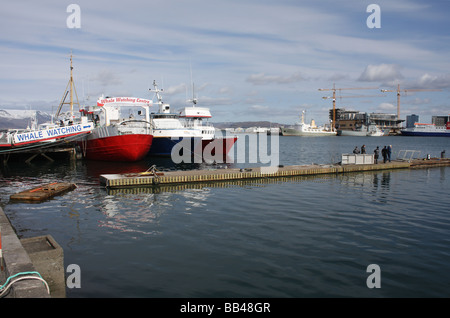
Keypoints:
pixel 192 176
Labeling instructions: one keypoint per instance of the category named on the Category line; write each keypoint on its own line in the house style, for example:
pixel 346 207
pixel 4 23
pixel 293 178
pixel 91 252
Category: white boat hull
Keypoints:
pixel 370 131
pixel 296 132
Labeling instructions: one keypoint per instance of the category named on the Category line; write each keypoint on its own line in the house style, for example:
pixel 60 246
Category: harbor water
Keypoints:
pixel 302 237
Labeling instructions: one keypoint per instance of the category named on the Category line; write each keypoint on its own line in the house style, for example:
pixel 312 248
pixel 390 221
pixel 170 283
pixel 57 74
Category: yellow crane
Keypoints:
pixel 334 89
pixel 405 90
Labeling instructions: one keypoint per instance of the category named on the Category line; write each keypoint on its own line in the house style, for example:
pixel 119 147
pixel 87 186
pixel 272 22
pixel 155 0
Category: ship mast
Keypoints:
pixel 158 95
pixel 69 91
pixel 71 87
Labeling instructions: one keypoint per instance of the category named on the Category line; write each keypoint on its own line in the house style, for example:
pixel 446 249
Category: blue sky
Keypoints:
pixel 249 60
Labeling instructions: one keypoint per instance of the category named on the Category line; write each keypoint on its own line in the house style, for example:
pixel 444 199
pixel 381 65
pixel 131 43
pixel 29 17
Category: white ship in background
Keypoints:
pixel 370 130
pixel 303 129
pixel 427 130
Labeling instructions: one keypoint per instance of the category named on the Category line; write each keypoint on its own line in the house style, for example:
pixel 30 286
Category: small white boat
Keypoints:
pixel 370 130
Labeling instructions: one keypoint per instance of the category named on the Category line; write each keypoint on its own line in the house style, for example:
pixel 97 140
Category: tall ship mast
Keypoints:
pixel 70 90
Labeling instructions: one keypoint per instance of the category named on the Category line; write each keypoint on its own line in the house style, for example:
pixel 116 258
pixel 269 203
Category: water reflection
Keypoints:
pixel 130 213
pixel 373 184
pixel 386 180
pixel 140 210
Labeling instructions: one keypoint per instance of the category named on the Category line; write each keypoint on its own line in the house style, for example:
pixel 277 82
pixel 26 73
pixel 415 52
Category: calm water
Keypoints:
pixel 298 237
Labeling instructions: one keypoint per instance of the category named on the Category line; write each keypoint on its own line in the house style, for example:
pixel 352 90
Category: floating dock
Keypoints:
pixel 49 154
pixel 43 192
pixel 192 176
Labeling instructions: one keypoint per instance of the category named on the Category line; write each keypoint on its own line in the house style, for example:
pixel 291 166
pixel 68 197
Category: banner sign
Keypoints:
pixel 132 101
pixel 53 133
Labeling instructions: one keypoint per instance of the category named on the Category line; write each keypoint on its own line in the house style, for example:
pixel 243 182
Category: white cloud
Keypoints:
pixel 434 81
pixel 381 73
pixel 263 79
pixel 106 78
pixel 259 107
pixel 386 107
pixel 205 101
pixel 172 90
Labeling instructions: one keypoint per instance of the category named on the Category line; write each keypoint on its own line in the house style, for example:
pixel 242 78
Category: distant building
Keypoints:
pixel 411 120
pixel 350 119
pixel 383 120
pixel 440 120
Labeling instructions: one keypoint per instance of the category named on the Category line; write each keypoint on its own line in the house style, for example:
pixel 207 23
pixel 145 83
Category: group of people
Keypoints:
pixel 385 152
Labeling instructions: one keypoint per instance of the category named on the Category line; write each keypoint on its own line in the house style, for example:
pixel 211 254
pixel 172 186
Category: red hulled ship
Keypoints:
pixel 122 130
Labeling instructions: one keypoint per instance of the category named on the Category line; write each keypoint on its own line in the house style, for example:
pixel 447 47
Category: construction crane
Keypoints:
pixel 405 90
pixel 334 89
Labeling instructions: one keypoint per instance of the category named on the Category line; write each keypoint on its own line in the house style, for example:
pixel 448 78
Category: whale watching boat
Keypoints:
pixel 170 128
pixel 68 128
pixel 122 129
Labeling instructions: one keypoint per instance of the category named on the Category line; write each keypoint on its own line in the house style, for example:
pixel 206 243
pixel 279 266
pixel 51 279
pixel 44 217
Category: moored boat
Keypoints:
pixel 189 125
pixel 370 130
pixel 43 135
pixel 122 131
pixel 68 128
pixel 427 130
pixel 303 129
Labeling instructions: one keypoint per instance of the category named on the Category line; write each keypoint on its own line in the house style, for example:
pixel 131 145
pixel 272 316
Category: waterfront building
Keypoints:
pixel 411 120
pixel 350 120
pixel 440 120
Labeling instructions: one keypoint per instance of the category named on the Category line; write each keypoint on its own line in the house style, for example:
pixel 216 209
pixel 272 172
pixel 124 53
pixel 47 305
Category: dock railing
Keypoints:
pixel 408 155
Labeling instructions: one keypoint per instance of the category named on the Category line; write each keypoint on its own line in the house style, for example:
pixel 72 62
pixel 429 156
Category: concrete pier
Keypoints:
pixel 40 254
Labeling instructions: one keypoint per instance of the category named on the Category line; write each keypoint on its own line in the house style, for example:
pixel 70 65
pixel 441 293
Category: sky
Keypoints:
pixel 247 60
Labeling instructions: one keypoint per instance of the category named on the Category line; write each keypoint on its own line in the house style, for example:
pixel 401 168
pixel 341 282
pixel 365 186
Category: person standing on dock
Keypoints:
pixel 363 149
pixel 356 150
pixel 384 154
pixel 376 154
pixel 389 151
